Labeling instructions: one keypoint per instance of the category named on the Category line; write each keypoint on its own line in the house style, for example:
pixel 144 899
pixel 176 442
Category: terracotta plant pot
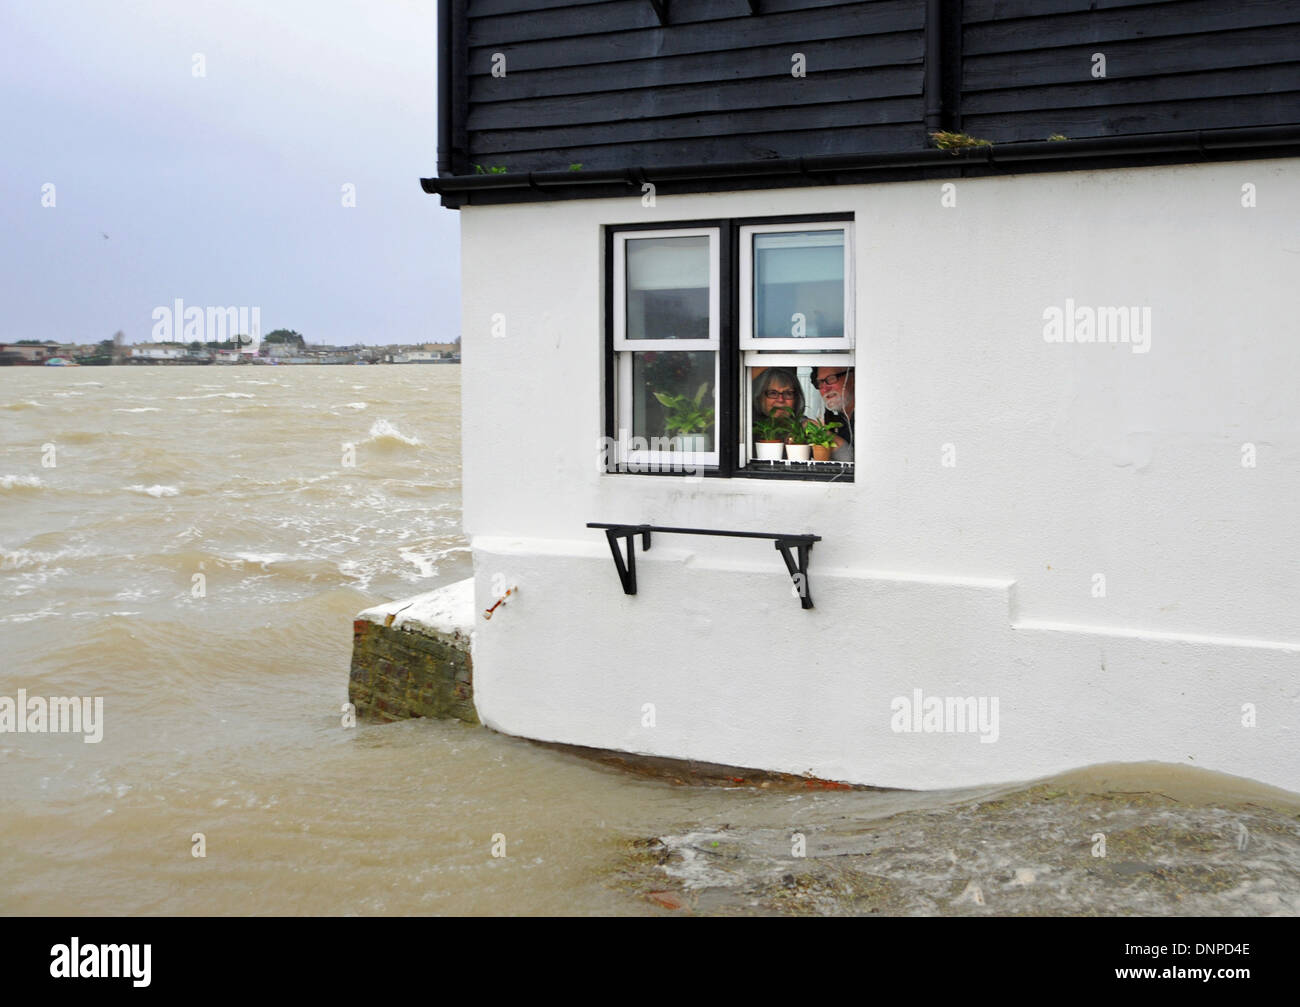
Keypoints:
pixel 821 453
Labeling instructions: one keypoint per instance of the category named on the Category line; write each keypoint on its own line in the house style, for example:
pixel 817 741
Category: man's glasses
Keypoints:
pixel 830 379
pixel 772 393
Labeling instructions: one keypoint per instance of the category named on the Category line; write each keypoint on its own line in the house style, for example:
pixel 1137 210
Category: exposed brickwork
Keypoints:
pixel 401 673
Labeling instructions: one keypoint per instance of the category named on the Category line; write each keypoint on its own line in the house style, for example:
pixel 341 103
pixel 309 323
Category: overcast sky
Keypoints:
pixel 223 189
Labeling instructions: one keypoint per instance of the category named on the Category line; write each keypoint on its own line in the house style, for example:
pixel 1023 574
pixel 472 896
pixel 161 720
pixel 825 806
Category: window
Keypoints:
pixel 666 337
pixel 730 348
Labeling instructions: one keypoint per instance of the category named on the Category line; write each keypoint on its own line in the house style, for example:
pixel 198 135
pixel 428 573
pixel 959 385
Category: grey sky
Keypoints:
pixel 224 189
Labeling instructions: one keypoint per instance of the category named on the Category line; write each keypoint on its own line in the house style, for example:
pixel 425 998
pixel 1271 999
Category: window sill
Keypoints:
pixel 803 471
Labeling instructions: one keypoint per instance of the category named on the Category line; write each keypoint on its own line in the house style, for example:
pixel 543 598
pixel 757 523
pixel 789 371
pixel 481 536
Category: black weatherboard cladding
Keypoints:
pixel 606 86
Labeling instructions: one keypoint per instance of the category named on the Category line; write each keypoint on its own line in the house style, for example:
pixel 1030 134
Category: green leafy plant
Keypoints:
pixel 820 434
pixel 773 428
pixel 945 140
pixel 494 169
pixel 575 167
pixel 1056 137
pixel 686 416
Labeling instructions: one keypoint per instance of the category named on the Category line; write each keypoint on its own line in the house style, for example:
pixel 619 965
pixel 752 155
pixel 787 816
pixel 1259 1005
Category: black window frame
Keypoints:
pixel 730 353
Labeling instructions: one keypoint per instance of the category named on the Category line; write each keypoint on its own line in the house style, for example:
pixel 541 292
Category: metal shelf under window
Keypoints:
pixel 794 549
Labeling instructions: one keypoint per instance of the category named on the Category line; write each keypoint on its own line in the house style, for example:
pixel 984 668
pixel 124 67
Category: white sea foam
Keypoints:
pixel 13 482
pixel 140 409
pixel 424 564
pixel 217 395
pixel 156 490
pixel 264 559
pixel 22 559
pixel 29 616
pixel 382 431
pixel 425 560
pixel 354 405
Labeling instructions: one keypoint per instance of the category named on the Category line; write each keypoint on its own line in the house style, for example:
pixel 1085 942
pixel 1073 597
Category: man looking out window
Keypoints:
pixel 835 384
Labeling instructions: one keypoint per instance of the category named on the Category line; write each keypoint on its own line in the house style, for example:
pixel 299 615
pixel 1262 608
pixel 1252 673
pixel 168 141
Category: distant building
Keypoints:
pixel 422 357
pixel 27 353
pixel 154 352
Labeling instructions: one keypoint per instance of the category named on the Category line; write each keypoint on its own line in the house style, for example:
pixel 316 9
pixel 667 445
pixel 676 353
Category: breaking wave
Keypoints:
pixel 382 433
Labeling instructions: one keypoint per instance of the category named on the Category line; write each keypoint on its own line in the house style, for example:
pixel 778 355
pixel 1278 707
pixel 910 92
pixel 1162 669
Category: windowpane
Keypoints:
pixel 673 397
pixel 799 285
pixel 788 403
pixel 668 288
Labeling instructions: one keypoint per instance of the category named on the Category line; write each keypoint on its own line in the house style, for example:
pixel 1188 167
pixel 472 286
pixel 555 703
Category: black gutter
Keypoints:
pixel 1068 152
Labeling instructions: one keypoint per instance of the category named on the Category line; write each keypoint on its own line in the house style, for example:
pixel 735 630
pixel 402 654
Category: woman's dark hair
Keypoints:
pixel 765 382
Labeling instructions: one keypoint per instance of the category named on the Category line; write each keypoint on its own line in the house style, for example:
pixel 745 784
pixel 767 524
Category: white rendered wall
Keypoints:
pixel 978 579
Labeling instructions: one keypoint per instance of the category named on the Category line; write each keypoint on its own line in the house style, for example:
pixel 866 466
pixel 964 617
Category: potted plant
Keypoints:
pixel 797 448
pixel 770 433
pixel 688 420
pixel 821 438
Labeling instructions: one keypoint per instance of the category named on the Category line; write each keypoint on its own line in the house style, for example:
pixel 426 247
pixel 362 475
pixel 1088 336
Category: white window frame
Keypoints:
pixel 752 358
pixel 651 460
pixel 748 341
pixel 621 341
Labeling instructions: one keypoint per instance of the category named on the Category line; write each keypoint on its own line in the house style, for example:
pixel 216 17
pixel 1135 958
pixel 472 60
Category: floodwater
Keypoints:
pixel 191 544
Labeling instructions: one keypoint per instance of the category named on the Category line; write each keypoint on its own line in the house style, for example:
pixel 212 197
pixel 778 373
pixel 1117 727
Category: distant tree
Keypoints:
pixel 285 336
pixel 196 346
pixel 31 342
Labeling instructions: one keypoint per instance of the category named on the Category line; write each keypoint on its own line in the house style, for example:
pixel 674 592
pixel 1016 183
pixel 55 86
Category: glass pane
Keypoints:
pixel 799 285
pixel 789 404
pixel 673 397
pixel 668 288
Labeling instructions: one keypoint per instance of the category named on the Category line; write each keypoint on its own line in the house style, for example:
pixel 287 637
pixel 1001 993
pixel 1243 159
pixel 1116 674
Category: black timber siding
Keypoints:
pixel 1172 65
pixel 605 85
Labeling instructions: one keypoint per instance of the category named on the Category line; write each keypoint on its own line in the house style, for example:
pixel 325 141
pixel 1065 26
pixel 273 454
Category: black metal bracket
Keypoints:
pixel 626 570
pixel 799 571
pixel 626 564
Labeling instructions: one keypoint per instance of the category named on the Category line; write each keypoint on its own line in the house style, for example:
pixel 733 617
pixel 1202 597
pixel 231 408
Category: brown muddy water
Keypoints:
pixel 191 545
